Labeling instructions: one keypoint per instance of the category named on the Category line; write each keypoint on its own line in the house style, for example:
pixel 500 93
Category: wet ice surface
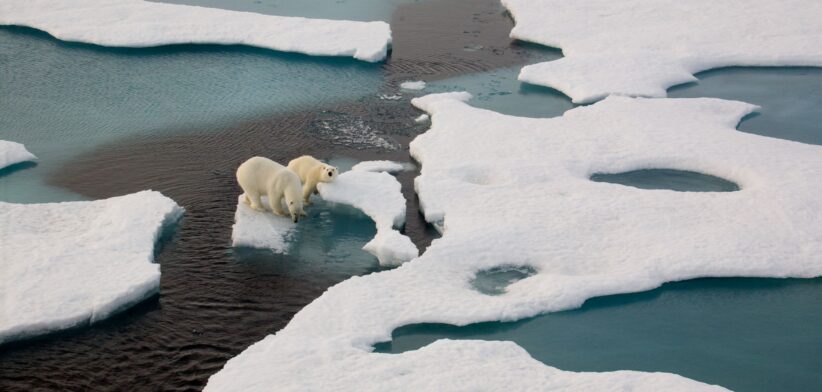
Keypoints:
pixel 493 281
pixel 676 180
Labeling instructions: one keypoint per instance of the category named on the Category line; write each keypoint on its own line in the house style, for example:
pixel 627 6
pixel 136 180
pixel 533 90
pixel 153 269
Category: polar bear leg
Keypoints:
pixel 276 203
pixel 253 200
pixel 309 188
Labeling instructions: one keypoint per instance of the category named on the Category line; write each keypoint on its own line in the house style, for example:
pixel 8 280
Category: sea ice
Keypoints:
pixel 74 263
pixel 261 229
pixel 12 153
pixel 422 118
pixel 382 166
pixel 135 23
pixel 413 85
pixel 378 195
pixel 642 47
pixel 517 192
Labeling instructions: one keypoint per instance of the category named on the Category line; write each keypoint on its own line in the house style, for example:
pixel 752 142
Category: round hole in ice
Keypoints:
pixel 675 180
pixel 494 281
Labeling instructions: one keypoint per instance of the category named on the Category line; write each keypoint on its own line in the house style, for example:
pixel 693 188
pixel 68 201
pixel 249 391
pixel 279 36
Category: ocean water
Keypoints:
pixel 62 100
pixel 113 121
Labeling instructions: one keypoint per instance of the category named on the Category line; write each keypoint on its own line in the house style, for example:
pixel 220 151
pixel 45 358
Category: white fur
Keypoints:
pixel 261 176
pixel 312 172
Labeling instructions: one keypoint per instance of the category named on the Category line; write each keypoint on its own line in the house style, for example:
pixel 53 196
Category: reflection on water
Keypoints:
pixel 743 334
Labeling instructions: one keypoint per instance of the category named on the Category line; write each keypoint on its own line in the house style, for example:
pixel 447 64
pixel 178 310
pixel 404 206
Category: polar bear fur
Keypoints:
pixel 261 176
pixel 312 172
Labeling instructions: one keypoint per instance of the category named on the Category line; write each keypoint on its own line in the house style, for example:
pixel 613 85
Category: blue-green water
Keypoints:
pixel 743 334
pixel 62 100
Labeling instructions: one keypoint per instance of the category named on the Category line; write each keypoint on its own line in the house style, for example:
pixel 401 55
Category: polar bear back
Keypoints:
pixel 257 174
pixel 305 166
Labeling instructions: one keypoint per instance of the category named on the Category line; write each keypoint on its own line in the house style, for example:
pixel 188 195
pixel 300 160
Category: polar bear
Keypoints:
pixel 261 176
pixel 311 172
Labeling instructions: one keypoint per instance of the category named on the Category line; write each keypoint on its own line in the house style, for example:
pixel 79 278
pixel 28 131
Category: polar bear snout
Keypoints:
pixel 329 173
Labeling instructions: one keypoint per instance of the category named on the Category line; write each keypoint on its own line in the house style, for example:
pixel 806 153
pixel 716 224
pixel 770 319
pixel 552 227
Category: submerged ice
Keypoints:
pixel 73 263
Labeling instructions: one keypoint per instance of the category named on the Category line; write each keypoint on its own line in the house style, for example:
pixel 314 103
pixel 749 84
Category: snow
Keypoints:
pixel 422 118
pixel 74 263
pixel 413 85
pixel 642 47
pixel 12 153
pixel 261 229
pixel 391 248
pixel 538 208
pixel 135 23
pixel 378 195
pixel 382 166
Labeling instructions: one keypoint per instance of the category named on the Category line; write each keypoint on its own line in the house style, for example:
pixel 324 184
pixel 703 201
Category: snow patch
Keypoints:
pixel 642 47
pixel 382 166
pixel 422 118
pixel 583 238
pixel 413 85
pixel 12 153
pixel 378 195
pixel 135 23
pixel 261 229
pixel 74 263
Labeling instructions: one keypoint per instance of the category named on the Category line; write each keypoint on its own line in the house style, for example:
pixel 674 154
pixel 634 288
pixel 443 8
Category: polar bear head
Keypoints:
pixel 328 173
pixel 295 207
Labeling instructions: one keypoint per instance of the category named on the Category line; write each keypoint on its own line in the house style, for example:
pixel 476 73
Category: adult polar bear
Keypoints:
pixel 261 176
pixel 311 172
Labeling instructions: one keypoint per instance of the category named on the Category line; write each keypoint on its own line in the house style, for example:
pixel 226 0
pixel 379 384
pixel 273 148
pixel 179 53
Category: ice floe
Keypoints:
pixel 421 118
pixel 382 166
pixel 517 193
pixel 378 195
pixel 12 153
pixel 642 47
pixel 413 85
pixel 136 23
pixel 261 229
pixel 74 263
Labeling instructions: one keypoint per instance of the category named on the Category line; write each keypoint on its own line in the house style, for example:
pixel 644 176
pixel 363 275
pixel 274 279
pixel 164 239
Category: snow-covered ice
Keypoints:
pixel 136 23
pixel 391 247
pixel 378 195
pixel 12 153
pixel 413 85
pixel 642 47
pixel 261 229
pixel 382 166
pixel 517 192
pixel 422 118
pixel 69 264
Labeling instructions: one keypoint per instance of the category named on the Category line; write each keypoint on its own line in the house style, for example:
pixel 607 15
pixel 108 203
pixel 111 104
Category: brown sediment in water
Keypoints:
pixel 211 307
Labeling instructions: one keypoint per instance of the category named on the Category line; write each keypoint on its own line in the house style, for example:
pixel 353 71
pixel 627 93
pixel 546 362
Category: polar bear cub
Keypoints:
pixel 311 172
pixel 261 176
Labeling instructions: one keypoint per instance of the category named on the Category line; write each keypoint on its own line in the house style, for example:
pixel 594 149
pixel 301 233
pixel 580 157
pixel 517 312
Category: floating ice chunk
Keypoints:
pixel 68 264
pixel 517 191
pixel 642 47
pixel 382 166
pixel 135 23
pixel 12 153
pixel 413 85
pixel 261 229
pixel 378 195
pixel 422 118
pixel 391 248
